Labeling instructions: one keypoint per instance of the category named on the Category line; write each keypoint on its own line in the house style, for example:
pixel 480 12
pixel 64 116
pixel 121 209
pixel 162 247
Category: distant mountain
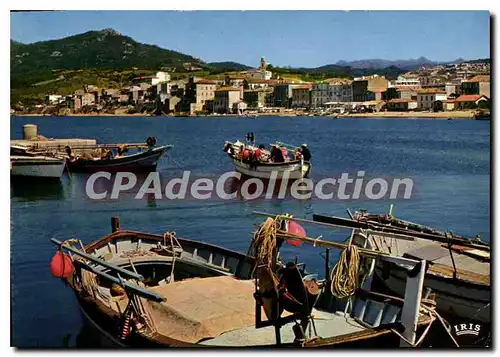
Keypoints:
pixel 480 60
pixel 409 64
pixel 94 49
pixel 230 66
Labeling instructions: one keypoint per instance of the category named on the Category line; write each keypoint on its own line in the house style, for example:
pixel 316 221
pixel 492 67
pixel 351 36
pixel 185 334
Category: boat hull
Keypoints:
pixel 295 170
pixel 37 168
pixel 145 161
pixel 104 327
pixel 463 302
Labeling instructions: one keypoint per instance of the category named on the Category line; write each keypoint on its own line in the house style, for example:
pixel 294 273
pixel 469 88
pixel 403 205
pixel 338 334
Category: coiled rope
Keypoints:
pixel 345 274
pixel 263 243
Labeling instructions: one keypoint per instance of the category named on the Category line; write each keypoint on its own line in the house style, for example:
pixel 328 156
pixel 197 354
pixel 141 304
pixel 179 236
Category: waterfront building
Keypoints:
pixel 335 92
pixel 479 85
pixel 431 99
pixel 408 92
pixel 366 88
pixel 401 104
pixel 255 98
pixel 471 101
pixel 225 98
pixel 283 94
pixel 301 96
pixel 319 95
pixel 198 91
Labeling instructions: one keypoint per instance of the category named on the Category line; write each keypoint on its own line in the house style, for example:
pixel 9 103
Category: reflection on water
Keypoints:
pixel 36 190
pixel 450 166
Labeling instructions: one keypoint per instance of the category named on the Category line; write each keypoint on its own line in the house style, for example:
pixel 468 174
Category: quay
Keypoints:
pixel 31 139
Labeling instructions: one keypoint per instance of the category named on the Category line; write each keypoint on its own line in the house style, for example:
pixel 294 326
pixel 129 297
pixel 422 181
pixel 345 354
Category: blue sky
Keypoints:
pixel 295 38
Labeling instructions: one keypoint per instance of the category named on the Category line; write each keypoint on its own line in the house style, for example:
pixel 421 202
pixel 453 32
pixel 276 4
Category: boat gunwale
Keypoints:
pixel 114 162
pixel 99 243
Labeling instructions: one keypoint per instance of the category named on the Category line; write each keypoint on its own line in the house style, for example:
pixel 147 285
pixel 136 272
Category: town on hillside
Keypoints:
pixel 441 88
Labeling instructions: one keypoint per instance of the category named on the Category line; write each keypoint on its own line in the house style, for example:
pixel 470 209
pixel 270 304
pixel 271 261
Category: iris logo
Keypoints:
pixel 467 329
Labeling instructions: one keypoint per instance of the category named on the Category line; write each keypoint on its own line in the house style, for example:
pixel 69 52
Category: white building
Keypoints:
pixel 160 77
pixel 54 99
pixel 335 92
pixel 403 81
pixel 431 99
pixel 319 94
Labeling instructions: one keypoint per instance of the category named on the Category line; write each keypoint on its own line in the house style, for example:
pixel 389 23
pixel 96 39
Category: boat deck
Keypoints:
pixel 468 268
pixel 327 324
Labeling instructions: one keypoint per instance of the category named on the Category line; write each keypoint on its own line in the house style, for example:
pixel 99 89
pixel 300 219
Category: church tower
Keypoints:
pixel 263 63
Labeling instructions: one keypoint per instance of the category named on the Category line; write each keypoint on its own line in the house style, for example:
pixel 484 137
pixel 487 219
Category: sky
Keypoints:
pixel 284 38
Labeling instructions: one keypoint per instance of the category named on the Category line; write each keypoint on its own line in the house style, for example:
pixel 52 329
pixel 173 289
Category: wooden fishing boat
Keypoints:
pixel 103 157
pixel 264 168
pixel 458 272
pixel 141 161
pixel 146 290
pixel 25 164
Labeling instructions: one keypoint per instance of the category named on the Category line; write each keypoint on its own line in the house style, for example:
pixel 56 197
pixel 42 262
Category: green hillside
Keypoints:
pixel 93 49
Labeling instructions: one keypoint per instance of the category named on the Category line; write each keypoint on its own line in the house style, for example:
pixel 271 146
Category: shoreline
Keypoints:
pixel 378 115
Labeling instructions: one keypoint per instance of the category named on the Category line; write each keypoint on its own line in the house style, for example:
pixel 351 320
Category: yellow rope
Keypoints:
pixel 344 275
pixel 263 243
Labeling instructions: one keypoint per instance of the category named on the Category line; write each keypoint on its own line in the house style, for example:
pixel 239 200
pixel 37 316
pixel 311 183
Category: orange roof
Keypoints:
pixel 305 86
pixel 227 89
pixel 206 81
pixel 469 98
pixel 480 78
pixel 431 91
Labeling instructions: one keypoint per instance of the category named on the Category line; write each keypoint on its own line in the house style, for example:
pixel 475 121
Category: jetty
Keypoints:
pixel 35 142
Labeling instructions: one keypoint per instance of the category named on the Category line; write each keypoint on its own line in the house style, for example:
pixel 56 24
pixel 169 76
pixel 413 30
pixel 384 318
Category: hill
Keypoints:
pixel 94 49
pixel 409 64
pixel 227 66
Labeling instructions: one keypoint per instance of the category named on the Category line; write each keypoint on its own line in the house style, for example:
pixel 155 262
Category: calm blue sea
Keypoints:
pixel 449 162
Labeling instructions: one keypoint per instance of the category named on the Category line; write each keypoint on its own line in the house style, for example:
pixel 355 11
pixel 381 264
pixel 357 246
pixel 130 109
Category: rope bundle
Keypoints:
pixel 263 243
pixel 344 275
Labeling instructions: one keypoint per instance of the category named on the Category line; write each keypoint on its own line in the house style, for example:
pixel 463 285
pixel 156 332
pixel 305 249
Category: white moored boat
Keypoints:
pixel 24 163
pixel 37 166
pixel 264 167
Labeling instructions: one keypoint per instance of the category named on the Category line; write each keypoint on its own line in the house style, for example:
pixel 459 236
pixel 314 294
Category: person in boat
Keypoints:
pixel 298 154
pixel 284 151
pixel 257 155
pixel 305 152
pixel 246 154
pixel 276 154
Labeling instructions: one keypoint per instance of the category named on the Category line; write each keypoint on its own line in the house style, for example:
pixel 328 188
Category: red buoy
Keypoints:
pixel 246 154
pixel 61 265
pixel 296 229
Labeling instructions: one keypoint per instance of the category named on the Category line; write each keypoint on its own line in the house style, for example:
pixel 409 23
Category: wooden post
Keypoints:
pixel 115 224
